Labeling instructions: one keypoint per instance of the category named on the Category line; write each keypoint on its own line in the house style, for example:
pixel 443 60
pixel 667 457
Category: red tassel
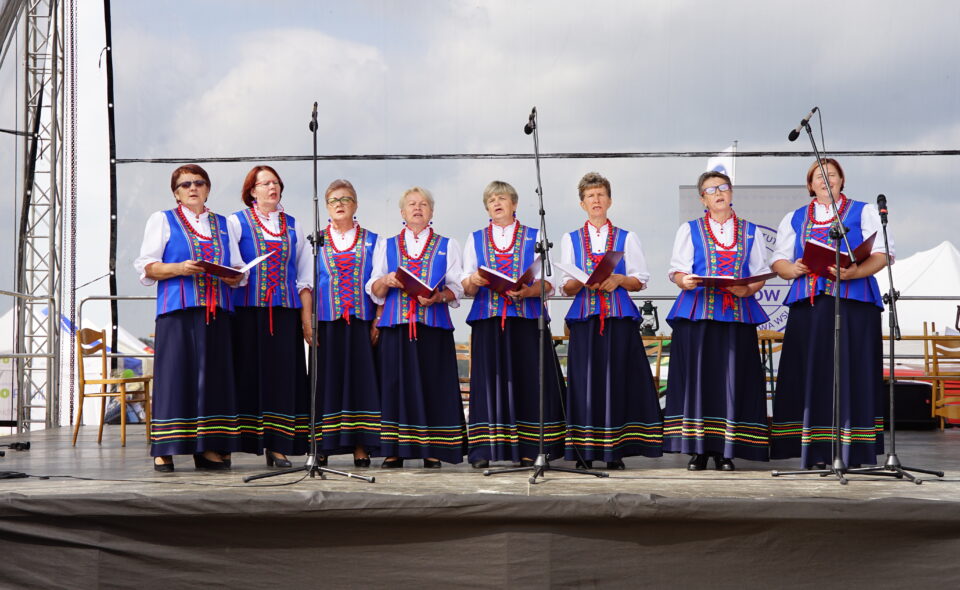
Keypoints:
pixel 412 320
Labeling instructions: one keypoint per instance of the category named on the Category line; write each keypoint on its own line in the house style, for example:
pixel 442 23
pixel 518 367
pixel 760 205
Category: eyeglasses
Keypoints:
pixel 269 183
pixel 197 183
pixel 345 200
pixel 711 190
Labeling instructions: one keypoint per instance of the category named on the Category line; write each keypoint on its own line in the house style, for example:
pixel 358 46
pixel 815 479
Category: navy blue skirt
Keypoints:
pixel 803 406
pixel 505 392
pixel 716 399
pixel 348 395
pixel 612 407
pixel 272 387
pixel 421 411
pixel 194 396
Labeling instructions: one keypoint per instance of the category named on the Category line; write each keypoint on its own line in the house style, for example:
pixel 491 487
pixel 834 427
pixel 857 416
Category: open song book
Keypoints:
pixel 227 272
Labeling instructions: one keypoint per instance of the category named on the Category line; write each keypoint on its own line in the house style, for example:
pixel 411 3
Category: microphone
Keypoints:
pixel 531 122
pixel 882 206
pixel 313 118
pixel 796 132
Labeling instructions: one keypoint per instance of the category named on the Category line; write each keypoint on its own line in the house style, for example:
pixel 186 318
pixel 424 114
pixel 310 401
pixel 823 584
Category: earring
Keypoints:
pixel 514 214
pixel 431 222
pixel 329 220
pixel 705 210
pixel 404 222
pixel 490 221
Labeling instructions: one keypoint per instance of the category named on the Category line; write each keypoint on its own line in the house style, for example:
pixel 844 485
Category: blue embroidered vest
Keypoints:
pixel 863 289
pixel 193 291
pixel 710 303
pixel 513 263
pixel 431 268
pixel 587 301
pixel 274 280
pixel 341 277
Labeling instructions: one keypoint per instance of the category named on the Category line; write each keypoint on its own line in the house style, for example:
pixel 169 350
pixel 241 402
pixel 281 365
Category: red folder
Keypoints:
pixel 728 281
pixel 819 257
pixel 413 286
pixel 502 283
pixel 604 268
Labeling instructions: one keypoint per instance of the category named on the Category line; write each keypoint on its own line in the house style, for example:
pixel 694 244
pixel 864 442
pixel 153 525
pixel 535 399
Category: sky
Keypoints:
pixel 238 78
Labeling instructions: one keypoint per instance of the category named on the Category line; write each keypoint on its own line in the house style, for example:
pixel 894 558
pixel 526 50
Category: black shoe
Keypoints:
pixel 697 463
pixel 279 461
pixel 431 463
pixel 481 464
pixel 361 462
pixel 526 462
pixel 201 462
pixel 817 466
pixel 723 464
pixel 321 461
pixel 585 464
pixel 164 467
pixel 618 464
pixel 392 463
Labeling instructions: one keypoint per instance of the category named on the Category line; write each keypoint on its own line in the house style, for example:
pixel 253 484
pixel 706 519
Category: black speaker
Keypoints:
pixel 911 404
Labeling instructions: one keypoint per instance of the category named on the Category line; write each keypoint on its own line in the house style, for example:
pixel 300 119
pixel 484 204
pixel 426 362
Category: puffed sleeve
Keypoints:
pixel 379 269
pixel 454 270
pixel 681 259
pixel 234 232
pixel 566 257
pixel 786 240
pixel 304 262
pixel 634 259
pixel 155 236
pixel 870 223
pixel 470 263
pixel 758 255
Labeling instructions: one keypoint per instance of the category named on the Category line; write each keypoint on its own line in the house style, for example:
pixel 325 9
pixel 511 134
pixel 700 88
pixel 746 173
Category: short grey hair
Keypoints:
pixel 593 180
pixel 417 189
pixel 711 174
pixel 499 187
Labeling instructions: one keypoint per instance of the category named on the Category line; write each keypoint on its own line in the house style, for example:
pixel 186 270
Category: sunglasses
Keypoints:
pixel 197 183
pixel 711 190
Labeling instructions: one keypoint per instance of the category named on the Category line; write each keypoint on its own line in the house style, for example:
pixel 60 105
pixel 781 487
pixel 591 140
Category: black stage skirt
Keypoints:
pixel 272 387
pixel 348 396
pixel 505 392
pixel 612 407
pixel 194 396
pixel 803 407
pixel 716 398
pixel 421 411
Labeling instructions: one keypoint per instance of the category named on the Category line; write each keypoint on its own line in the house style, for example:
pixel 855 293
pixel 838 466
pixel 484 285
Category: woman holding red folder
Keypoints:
pixel 504 349
pixel 421 412
pixel 716 401
pixel 272 386
pixel 803 407
pixel 194 393
pixel 612 406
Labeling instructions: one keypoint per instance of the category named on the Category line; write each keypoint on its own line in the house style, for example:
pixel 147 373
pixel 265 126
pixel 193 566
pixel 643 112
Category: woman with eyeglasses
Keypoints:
pixel 422 415
pixel 194 394
pixel 269 359
pixel 504 342
pixel 348 395
pixel 803 407
pixel 716 399
pixel 612 407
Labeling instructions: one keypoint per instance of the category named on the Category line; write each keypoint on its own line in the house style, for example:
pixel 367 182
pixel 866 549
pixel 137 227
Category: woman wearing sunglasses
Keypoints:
pixel 716 402
pixel 194 395
pixel 348 395
pixel 803 406
pixel 272 388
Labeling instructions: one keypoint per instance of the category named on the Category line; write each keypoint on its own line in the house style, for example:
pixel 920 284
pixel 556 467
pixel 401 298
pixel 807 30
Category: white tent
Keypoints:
pixel 930 272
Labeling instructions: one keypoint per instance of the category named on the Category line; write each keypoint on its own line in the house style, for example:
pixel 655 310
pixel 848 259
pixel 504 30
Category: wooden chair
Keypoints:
pixel 463 354
pixel 653 346
pixel 944 359
pixel 89 343
pixel 771 342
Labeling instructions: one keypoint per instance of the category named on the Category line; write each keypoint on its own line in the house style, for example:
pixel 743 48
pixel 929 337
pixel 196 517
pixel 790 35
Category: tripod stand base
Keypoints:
pixel 894 468
pixel 541 466
pixel 313 470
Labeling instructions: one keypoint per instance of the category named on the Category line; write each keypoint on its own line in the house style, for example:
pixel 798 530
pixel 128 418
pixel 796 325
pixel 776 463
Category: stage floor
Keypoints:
pixel 102 518
pixel 110 467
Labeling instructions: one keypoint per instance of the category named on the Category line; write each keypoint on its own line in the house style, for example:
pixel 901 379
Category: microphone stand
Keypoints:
pixel 890 298
pixel 312 466
pixel 542 463
pixel 838 233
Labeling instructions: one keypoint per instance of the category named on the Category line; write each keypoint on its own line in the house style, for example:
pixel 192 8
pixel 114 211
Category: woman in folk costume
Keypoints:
pixel 421 412
pixel 268 352
pixel 803 407
pixel 612 407
pixel 194 396
pixel 716 395
pixel 504 344
pixel 348 395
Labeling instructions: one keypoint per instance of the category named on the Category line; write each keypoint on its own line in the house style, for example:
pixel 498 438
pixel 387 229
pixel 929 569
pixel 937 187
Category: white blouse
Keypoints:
pixel 303 255
pixel 415 244
pixel 502 236
pixel 681 260
pixel 869 223
pixel 156 234
pixel 636 264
